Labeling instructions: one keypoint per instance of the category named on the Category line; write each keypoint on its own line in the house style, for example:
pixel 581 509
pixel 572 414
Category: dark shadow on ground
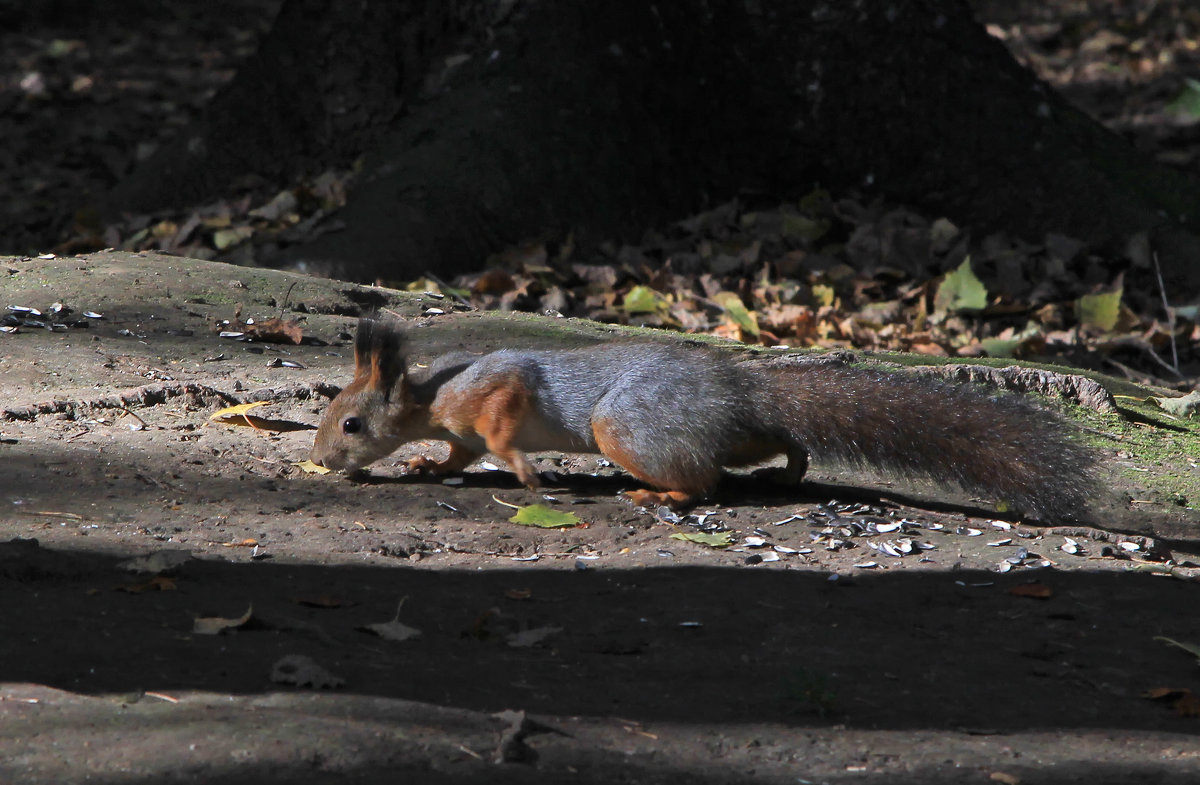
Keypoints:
pixel 736 672
pixel 901 650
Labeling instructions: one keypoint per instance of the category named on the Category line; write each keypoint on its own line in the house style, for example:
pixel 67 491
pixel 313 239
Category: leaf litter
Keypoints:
pixel 303 671
pixel 393 630
pixel 810 271
pixel 215 625
pixel 821 272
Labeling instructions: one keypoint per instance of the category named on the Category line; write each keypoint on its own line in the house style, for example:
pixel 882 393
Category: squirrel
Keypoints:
pixel 672 415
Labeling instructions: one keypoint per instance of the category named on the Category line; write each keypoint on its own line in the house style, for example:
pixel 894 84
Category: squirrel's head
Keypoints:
pixel 367 420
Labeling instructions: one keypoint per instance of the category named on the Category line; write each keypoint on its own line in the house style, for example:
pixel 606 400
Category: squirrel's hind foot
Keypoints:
pixel 673 499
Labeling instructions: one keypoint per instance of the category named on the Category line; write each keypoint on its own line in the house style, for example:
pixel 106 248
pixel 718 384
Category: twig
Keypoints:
pixel 1145 345
pixel 134 416
pixel 1162 290
pixel 1141 377
pixel 54 514
pixel 446 288
pixel 287 296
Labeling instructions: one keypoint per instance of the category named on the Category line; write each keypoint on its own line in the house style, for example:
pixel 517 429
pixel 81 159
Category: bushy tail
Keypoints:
pixel 999 446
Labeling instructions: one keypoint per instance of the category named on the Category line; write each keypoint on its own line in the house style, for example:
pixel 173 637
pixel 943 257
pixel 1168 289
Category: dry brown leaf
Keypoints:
pixel 1037 591
pixel 236 415
pixel 275 331
pixel 308 467
pixel 931 349
pixel 157 562
pixel 157 583
pixel 303 671
pixel 1165 693
pixel 320 602
pixel 788 319
pixel 215 625
pixel 727 330
pixel 393 630
pixel 1187 706
pixel 493 281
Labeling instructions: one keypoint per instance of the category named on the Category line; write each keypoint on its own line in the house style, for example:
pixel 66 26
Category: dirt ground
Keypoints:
pixel 807 652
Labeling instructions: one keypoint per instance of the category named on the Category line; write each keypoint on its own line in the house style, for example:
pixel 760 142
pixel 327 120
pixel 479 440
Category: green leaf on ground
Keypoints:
pixel 1000 347
pixel 960 290
pixel 544 518
pixel 714 540
pixel 816 201
pixel 224 239
pixel 804 228
pixel 737 312
pixel 1187 103
pixel 643 299
pixel 823 294
pixel 1100 310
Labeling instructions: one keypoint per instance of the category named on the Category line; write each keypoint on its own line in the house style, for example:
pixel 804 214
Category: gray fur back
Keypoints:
pixel 629 380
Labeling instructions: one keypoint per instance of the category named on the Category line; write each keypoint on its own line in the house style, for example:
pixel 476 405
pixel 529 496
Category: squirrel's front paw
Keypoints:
pixel 422 464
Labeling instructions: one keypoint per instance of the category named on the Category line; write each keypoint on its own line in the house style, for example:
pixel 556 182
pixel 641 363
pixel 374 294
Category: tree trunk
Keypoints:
pixel 327 79
pixel 604 119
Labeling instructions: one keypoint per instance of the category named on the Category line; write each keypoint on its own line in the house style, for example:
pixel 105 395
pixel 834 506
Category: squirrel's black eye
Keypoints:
pixel 351 425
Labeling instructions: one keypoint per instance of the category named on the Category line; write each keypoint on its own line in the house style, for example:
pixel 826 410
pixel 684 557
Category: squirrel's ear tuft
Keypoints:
pixel 363 338
pixel 379 349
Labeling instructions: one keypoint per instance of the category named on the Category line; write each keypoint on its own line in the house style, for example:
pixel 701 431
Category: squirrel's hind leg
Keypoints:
pixel 797 466
pixel 644 497
pixel 652 463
